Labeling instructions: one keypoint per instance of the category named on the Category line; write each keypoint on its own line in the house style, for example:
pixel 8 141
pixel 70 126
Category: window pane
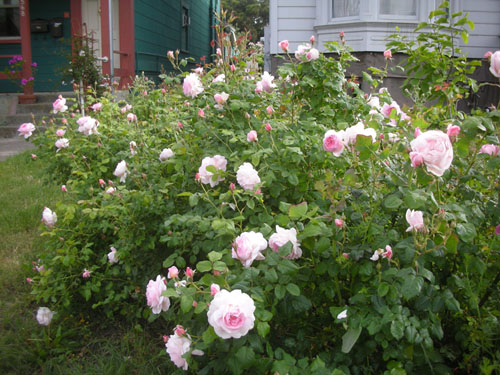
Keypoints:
pixel 9 3
pixel 9 22
pixel 345 8
pixel 398 7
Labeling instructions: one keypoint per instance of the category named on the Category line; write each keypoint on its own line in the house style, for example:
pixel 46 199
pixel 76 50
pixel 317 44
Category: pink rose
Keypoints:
pixel 350 134
pixel 206 177
pixel 86 273
pixel 189 272
pixel 231 314
pixel 333 142
pixel 247 247
pixel 490 149
pixel 201 113
pixel 173 272
pixel 219 78
pixel 112 256
pixel 252 136
pixel 268 127
pixel 59 105
pixel 282 237
pixel 26 129
pixel 312 39
pixel 44 316
pixel 284 45
pixel 453 130
pixel 96 107
pixel 220 99
pixel 177 345
pixel 266 82
pixel 121 171
pixel 415 219
pixel 388 54
pixel 495 64
pixel 416 159
pixel 387 253
pixel 64 188
pixel 155 300
pixel 166 154
pixel 110 190
pixel 60 132
pixel 49 218
pixel 62 143
pixel 170 55
pixel 247 176
pixel 87 125
pixel 131 117
pixel 435 148
pixel 339 223
pixel 269 110
pixel 192 85
pixel 214 289
pixel 487 54
pixel 417 132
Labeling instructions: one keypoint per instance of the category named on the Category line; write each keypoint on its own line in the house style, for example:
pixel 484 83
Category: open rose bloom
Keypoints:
pixel 282 237
pixel 44 316
pixel 247 247
pixel 26 129
pixel 156 301
pixel 434 148
pixel 192 85
pixel 231 314
pixel 206 177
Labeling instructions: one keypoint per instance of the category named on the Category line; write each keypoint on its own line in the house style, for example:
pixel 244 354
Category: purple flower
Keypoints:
pixel 34 64
pixel 24 82
pixel 31 79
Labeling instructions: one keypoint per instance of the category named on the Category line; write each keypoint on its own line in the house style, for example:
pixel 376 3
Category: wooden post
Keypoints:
pixel 24 20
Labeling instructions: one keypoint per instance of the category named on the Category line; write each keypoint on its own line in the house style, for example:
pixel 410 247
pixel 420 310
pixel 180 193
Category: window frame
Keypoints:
pixel 11 37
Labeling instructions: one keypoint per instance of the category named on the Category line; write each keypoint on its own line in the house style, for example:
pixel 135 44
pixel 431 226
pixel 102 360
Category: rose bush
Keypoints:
pixel 321 246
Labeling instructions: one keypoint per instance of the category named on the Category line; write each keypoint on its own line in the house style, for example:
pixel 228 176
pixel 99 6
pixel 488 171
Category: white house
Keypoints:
pixel 366 23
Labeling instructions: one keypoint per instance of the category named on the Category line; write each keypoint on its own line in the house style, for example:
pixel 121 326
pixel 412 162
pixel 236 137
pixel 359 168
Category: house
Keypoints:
pixel 367 23
pixel 141 34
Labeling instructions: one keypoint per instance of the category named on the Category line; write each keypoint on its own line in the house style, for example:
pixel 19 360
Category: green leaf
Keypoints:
pixel 219 266
pixel 279 291
pixel 397 329
pixel 412 286
pixel 297 211
pixel 293 289
pixel 263 328
pixel 186 303
pixel 245 357
pixel 193 200
pixel 284 207
pixel 286 249
pixel 209 335
pixel 204 266
pixel 350 338
pixel 415 199
pixel 211 169
pixel 214 256
pixel 451 244
pixel 382 289
pixel 467 232
pixel 311 230
pixel 392 202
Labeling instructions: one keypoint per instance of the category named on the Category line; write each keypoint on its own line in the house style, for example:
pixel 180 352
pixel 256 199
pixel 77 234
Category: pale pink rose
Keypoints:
pixel 453 130
pixel 29 280
pixel 62 143
pixel 269 110
pixel 218 51
pixel 110 190
pixel 64 121
pixel 220 99
pixel 44 316
pixel 232 186
pixel 258 87
pixel 302 50
pixel 155 300
pixel 415 219
pixel 112 255
pixel 26 129
pixel 247 247
pixel 59 105
pixel 345 255
pixel 86 273
pixel 487 54
pixel 49 218
pixel 166 154
pixel 201 113
pixel 416 159
pixel 350 134
pixel 96 107
pixel 312 39
pixel 268 127
pixel 33 156
pixel 247 176
pixel 388 54
pixel 199 70
pixel 490 149
pixel 435 148
pixel 495 64
pixel 126 108
pixel 231 314
pixel 233 67
pixel 170 55
pixel 339 223
pixel 284 45
pixel 214 289
pixel 282 237
pixel 60 132
pixel 189 272
pixel 417 132
pixel 173 272
pixel 133 148
pixel 64 188
pixel 206 177
pixel 177 345
pixel 267 82
pixel 387 253
pixel 192 85
pixel 333 142
pixel 312 54
pixel 87 125
pixel 252 136
pixel 219 78
pixel 131 117
pixel 121 171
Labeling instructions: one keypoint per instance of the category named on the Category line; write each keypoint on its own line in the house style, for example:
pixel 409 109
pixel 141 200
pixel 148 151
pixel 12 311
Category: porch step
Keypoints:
pixel 37 108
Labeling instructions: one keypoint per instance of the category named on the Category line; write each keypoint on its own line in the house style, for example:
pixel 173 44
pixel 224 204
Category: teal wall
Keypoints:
pixel 158 29
pixel 48 52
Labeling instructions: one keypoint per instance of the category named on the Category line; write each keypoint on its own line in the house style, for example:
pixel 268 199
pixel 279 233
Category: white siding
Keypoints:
pixel 486 35
pixel 292 20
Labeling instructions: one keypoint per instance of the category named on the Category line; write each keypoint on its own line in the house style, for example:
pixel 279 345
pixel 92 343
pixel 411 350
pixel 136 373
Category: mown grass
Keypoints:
pixel 87 347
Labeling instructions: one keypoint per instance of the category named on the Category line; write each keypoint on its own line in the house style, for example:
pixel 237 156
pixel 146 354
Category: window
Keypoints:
pixel 398 7
pixel 185 29
pixel 9 18
pixel 345 8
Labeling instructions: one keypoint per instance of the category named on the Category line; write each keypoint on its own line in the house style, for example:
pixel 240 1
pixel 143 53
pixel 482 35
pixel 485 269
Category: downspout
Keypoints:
pixel 111 47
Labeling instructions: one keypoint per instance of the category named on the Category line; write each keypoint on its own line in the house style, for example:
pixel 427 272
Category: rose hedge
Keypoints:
pixel 316 229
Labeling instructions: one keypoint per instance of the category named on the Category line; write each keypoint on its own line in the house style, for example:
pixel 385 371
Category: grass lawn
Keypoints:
pixel 27 348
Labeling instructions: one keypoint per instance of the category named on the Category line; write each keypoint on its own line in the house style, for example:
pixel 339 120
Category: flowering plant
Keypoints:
pixel 14 70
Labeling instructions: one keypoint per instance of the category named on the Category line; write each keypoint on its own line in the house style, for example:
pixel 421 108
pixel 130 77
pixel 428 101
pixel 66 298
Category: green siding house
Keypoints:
pixel 141 34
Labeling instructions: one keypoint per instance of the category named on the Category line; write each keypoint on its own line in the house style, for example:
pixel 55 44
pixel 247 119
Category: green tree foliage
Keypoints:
pixel 251 15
